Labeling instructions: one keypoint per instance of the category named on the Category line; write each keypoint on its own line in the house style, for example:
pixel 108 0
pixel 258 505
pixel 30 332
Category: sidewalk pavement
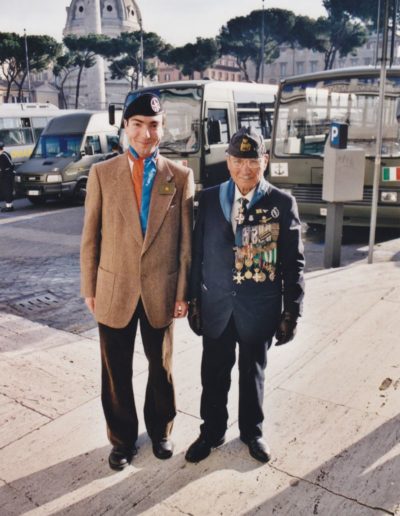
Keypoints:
pixel 332 417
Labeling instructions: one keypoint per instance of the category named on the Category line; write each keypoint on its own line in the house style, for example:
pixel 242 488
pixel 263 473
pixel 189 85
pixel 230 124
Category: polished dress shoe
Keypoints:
pixel 120 458
pixel 258 449
pixel 163 449
pixel 201 448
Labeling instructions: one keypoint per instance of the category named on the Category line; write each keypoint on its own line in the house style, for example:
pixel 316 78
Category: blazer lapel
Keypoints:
pixel 126 199
pixel 159 202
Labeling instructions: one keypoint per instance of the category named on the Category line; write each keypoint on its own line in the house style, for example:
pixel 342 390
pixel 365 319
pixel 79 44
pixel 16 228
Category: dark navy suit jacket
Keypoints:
pixel 256 307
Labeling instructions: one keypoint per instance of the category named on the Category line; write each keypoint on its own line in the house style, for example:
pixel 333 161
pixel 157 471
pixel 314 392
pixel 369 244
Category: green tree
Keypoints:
pixel 124 53
pixel 62 69
pixel 339 33
pixel 11 55
pixel 193 57
pixel 365 10
pixel 241 37
pixel 42 51
pixel 85 49
pixel 304 34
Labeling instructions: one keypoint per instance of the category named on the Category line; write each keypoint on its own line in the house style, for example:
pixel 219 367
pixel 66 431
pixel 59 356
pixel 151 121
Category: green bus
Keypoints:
pixel 305 108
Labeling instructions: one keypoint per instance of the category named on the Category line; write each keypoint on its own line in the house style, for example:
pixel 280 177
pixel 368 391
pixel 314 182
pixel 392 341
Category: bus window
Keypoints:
pixel 217 127
pixel 94 141
pixel 38 124
pixel 252 119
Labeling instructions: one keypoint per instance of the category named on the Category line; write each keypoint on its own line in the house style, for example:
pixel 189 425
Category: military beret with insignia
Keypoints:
pixel 146 104
pixel 246 143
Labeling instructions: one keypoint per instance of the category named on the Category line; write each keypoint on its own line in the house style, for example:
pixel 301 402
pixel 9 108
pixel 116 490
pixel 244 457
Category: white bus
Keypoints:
pixel 202 115
pixel 21 126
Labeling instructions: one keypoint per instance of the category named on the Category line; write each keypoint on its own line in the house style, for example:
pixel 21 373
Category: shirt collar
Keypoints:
pixel 239 195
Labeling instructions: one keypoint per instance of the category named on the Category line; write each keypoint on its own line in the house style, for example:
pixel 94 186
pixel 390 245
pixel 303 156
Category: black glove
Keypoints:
pixel 287 328
pixel 194 317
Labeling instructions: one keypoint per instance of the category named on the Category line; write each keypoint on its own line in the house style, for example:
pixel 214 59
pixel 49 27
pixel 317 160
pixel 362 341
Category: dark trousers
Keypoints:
pixel 217 362
pixel 117 347
pixel 7 186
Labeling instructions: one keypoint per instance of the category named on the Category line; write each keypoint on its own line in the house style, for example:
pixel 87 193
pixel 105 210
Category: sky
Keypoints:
pixel 176 21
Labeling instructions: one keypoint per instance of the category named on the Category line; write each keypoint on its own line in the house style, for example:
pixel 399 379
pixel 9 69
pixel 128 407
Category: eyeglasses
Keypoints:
pixel 252 164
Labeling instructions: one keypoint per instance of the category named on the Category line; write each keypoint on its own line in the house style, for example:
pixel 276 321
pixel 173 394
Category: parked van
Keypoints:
pixel 60 162
pixel 201 117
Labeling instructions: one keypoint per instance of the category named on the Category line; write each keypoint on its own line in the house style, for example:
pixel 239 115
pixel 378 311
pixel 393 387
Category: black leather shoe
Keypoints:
pixel 163 449
pixel 201 448
pixel 258 449
pixel 7 209
pixel 120 458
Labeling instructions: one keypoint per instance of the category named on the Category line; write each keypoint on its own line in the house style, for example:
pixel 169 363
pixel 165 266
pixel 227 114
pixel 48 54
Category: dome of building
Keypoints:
pixel 116 16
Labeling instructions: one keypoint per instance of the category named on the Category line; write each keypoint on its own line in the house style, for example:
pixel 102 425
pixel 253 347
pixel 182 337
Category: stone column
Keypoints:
pixel 95 75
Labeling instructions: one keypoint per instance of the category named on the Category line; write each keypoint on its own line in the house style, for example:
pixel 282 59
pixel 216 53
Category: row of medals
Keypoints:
pixel 249 264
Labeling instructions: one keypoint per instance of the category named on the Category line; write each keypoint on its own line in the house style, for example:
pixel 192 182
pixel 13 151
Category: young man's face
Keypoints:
pixel 246 172
pixel 144 133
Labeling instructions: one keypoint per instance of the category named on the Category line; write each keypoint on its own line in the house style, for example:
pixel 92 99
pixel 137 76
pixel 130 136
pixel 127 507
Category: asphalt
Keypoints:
pixel 332 416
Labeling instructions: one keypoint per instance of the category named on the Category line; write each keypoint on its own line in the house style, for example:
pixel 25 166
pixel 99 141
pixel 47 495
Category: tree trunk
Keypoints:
pixel 332 58
pixel 7 97
pixel 78 85
pixel 243 66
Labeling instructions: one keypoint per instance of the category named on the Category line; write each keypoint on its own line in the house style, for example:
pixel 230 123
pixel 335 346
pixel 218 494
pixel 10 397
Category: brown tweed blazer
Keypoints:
pixel 118 264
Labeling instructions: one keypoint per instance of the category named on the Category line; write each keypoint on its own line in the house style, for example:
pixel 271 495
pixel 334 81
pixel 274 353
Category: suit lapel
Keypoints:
pixel 126 197
pixel 159 203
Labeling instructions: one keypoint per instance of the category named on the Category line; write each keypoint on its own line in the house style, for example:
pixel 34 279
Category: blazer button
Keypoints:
pixel 233 293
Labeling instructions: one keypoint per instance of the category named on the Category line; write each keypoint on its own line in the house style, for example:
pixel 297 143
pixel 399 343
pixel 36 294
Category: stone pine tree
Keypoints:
pixel 241 37
pixel 62 69
pixel 11 56
pixel 42 51
pixel 124 54
pixel 193 57
pixel 85 49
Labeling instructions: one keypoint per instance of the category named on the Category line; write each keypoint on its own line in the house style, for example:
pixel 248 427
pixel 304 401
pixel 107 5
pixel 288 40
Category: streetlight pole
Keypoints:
pixel 262 43
pixel 378 152
pixel 27 66
pixel 141 68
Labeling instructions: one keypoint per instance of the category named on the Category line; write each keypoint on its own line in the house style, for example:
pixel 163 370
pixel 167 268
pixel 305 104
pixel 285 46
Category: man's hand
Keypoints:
pixel 287 328
pixel 181 309
pixel 90 303
pixel 194 317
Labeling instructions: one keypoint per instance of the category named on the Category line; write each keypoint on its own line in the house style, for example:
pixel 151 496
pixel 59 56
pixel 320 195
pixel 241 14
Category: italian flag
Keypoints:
pixel 391 174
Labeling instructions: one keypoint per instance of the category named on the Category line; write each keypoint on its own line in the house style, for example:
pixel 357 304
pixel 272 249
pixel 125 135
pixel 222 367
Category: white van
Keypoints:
pixel 201 117
pixel 60 162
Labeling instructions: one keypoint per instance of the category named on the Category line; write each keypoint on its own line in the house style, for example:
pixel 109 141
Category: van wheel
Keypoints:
pixel 80 192
pixel 37 201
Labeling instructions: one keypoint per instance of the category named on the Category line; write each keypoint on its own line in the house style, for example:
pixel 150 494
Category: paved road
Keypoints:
pixel 39 262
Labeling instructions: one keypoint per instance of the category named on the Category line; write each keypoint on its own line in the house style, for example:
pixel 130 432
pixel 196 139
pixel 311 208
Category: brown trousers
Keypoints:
pixel 117 347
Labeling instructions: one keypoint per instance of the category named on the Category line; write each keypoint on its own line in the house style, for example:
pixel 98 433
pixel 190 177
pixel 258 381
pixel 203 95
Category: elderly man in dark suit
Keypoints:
pixel 246 287
pixel 135 260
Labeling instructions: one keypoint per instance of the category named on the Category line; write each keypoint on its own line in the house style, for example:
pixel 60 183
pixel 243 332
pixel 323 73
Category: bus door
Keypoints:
pixel 217 134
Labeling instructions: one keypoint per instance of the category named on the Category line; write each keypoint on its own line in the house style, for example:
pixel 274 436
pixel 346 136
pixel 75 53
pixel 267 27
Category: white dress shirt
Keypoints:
pixel 236 205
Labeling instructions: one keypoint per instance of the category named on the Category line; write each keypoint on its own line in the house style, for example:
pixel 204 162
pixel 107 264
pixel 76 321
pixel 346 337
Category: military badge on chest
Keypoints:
pixel 256 249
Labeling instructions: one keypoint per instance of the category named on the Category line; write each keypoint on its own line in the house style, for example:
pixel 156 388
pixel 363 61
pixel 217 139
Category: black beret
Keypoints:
pixel 246 143
pixel 145 104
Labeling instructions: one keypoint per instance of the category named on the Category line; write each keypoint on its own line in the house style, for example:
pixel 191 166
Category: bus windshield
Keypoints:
pixel 52 146
pixel 307 108
pixel 182 107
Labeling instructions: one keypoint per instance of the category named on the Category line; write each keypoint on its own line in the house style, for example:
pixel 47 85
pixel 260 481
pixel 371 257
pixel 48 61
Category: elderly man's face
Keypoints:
pixel 144 133
pixel 246 172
